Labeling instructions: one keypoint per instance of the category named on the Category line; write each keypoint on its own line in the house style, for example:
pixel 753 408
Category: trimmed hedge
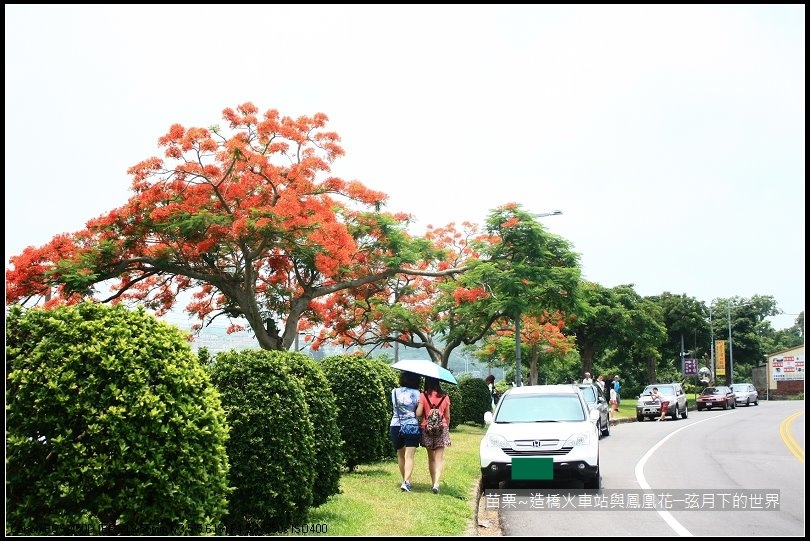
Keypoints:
pixel 456 401
pixel 389 379
pixel 110 421
pixel 475 400
pixel 271 446
pixel 323 414
pixel 363 416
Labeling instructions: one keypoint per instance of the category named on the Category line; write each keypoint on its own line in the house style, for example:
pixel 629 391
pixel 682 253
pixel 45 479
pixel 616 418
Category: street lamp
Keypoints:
pixel 711 334
pixel 518 381
pixel 730 348
pixel 544 214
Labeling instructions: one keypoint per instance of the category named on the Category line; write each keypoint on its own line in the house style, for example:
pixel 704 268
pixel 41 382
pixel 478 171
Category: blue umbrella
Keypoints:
pixel 426 368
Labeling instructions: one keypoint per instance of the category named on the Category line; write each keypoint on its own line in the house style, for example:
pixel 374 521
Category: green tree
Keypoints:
pixel 751 333
pixel 514 266
pixel 621 330
pixel 686 326
pixel 784 338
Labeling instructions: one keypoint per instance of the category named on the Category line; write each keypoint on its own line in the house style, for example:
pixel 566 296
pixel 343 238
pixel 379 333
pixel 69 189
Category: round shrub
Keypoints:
pixel 456 408
pixel 323 414
pixel 362 414
pixel 271 445
pixel 389 379
pixel 110 420
pixel 475 400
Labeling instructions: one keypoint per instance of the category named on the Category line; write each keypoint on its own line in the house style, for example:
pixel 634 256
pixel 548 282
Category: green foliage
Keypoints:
pixel 110 419
pixel 475 401
pixel 271 446
pixel 363 414
pixel 323 414
pixel 204 356
pixel 389 378
pixel 454 394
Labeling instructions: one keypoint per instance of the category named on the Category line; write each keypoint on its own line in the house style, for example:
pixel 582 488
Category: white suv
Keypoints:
pixel 670 392
pixel 541 433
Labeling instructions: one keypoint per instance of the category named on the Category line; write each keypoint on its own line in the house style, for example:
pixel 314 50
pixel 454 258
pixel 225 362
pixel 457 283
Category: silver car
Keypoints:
pixel 745 393
pixel 673 393
pixel 596 401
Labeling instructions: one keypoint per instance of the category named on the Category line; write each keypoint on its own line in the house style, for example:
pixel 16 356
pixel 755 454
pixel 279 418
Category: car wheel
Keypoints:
pixel 639 418
pixel 699 408
pixel 488 483
pixel 756 402
pixel 595 482
pixel 725 405
pixel 747 402
pixel 685 411
pixel 734 405
pixel 606 428
pixel 677 414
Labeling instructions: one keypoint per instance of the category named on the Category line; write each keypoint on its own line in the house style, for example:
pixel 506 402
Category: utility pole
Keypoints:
pixel 730 348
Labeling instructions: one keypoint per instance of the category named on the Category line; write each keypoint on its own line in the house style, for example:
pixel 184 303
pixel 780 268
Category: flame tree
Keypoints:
pixel 248 222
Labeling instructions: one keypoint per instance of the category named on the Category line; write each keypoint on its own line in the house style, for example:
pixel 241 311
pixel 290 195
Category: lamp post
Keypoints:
pixel 518 379
pixel 518 382
pixel 730 348
pixel 711 334
pixel 544 214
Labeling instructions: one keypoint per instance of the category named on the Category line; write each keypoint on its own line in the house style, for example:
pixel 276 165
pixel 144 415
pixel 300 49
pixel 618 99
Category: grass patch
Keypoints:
pixel 371 503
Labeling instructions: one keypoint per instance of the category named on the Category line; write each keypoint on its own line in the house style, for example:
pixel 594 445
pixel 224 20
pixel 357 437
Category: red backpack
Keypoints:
pixel 433 424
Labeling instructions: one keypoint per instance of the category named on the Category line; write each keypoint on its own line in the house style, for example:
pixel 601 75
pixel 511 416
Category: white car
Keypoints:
pixel 745 394
pixel 541 433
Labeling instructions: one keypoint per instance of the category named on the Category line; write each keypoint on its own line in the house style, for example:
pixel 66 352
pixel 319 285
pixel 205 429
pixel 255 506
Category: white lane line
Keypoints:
pixel 642 481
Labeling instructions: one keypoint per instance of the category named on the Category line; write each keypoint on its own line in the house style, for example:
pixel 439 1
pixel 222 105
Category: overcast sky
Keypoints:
pixel 671 137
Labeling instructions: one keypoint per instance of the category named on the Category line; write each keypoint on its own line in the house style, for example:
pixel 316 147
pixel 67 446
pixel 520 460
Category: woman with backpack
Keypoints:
pixel 435 427
pixel 405 427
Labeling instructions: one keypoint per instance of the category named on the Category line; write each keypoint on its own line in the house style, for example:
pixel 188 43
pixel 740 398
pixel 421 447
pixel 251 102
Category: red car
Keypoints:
pixel 716 397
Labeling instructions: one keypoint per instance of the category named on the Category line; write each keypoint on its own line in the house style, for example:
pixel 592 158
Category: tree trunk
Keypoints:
pixel 586 354
pixel 533 367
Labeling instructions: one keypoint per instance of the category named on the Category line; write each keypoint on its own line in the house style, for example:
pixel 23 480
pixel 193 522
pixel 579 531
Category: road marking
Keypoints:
pixel 679 528
pixel 787 437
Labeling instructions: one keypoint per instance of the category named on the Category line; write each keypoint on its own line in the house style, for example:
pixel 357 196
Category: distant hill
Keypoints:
pixel 216 339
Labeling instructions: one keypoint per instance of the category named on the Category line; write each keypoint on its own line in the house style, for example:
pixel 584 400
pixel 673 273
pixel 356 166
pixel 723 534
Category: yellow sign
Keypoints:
pixel 720 357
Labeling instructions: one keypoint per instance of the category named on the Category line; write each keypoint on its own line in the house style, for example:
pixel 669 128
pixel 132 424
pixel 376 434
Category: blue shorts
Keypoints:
pixel 399 441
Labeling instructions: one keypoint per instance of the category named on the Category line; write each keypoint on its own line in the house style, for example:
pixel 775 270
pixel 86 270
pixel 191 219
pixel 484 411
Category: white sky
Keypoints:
pixel 671 137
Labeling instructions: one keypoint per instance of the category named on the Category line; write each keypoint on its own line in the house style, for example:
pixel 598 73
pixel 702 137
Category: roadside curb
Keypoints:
pixel 621 420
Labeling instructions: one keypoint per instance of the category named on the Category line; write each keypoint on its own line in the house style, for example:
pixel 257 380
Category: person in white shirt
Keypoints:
pixel 587 378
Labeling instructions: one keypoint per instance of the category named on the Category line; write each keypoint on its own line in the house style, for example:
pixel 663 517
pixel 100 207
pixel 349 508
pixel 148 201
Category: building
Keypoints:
pixel 782 375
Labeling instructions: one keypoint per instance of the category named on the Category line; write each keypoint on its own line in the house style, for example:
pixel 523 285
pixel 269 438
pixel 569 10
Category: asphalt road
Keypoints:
pixel 716 473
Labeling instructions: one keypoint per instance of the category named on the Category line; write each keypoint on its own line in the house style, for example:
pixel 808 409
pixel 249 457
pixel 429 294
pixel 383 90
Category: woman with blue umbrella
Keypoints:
pixel 405 428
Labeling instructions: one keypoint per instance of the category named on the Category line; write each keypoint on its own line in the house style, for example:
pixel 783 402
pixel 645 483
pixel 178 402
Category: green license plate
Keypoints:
pixel 532 468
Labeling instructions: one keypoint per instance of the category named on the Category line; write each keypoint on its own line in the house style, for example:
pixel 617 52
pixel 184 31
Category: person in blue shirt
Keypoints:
pixel 617 387
pixel 408 410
